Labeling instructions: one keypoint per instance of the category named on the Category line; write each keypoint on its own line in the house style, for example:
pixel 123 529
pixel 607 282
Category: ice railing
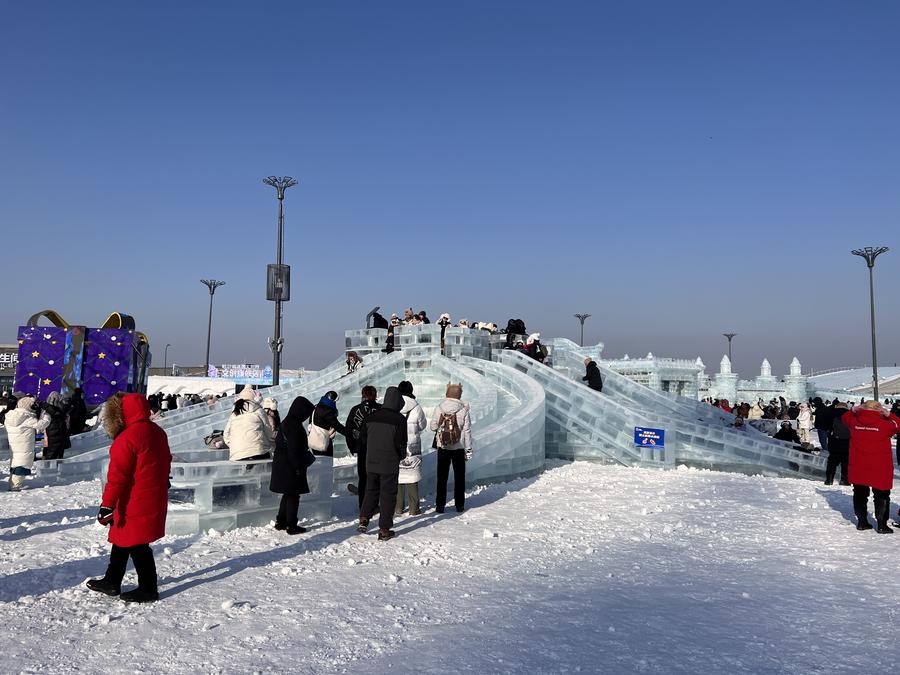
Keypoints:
pixel 607 426
pixel 569 358
pixel 421 339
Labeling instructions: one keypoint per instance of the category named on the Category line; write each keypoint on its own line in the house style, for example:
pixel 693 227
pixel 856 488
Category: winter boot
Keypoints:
pixel 280 526
pixel 882 507
pixel 352 489
pixel 295 529
pixel 363 525
pixel 103 586
pixel 137 595
pixel 384 535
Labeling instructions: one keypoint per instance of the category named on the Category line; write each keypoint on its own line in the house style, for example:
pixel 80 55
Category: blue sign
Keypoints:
pixel 645 437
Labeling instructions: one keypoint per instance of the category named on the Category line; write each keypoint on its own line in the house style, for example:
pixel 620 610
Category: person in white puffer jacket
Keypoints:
pixel 451 419
pixel 411 465
pixel 247 433
pixel 22 425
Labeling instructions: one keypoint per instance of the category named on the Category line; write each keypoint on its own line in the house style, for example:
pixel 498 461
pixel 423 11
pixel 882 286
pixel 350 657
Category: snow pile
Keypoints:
pixel 584 568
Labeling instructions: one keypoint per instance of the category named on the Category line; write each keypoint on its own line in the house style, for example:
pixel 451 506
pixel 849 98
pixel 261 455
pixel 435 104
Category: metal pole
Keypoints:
pixel 582 318
pixel 276 352
pixel 874 352
pixel 166 357
pixel 729 337
pixel 212 285
pixel 276 344
pixel 869 253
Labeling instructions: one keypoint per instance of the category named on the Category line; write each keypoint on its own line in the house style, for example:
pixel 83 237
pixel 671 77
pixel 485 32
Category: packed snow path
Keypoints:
pixel 586 567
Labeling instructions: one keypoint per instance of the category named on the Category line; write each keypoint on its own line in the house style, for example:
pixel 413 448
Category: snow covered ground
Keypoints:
pixel 585 568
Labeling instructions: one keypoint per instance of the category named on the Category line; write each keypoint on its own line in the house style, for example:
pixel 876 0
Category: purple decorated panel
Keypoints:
pixel 107 361
pixel 41 355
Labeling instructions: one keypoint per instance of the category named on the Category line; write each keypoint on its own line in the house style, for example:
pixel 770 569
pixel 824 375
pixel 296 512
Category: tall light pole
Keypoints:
pixel 166 357
pixel 869 253
pixel 212 285
pixel 730 337
pixel 279 275
pixel 582 318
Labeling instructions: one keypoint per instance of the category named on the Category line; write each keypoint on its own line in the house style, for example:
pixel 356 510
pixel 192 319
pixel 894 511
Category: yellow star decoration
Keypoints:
pixel 21 342
pixel 101 355
pixel 46 381
pixel 35 354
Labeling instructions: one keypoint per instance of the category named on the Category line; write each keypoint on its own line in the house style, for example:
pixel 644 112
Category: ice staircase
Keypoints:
pixel 584 424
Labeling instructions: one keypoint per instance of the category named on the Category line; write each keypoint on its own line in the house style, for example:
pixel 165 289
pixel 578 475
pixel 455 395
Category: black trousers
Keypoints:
pixel 287 510
pixel 142 557
pixel 446 458
pixel 882 499
pixel 361 473
pixel 838 455
pixel 381 489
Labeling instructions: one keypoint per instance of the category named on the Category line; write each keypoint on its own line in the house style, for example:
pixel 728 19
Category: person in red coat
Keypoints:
pixel 871 461
pixel 136 497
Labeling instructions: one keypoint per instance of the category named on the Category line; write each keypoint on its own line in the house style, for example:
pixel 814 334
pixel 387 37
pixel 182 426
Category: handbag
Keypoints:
pixel 410 470
pixel 319 439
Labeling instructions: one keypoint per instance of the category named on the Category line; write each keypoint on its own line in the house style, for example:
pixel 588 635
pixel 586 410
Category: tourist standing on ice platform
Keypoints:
pixel 411 465
pixel 136 496
pixel 326 417
pixel 77 412
pixel 291 460
pixel 247 432
pixel 270 407
pixel 534 348
pixel 871 461
pixel 385 433
pixel 356 441
pixel 805 423
pixel 56 437
pixel 452 425
pixel 592 377
pixel 22 425
pixel 824 416
pixel 838 446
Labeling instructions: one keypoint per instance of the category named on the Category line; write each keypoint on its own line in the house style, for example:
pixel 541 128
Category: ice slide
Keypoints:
pixel 584 424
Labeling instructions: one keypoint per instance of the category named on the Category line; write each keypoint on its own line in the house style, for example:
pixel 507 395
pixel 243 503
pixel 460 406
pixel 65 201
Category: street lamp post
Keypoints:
pixel 869 253
pixel 166 357
pixel 730 337
pixel 212 285
pixel 279 278
pixel 582 318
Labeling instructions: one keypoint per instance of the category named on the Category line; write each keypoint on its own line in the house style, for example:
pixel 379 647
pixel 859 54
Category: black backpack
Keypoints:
pixel 379 321
pixel 839 429
pixel 516 327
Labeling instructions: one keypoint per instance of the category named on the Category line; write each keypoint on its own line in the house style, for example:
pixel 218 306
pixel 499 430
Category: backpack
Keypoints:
pixel 379 321
pixel 516 327
pixel 840 430
pixel 449 431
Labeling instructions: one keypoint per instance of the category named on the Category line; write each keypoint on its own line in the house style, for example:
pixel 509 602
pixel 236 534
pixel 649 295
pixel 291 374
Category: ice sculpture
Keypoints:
pixel 522 412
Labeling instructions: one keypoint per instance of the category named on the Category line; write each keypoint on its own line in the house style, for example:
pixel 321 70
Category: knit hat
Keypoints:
pixel 534 337
pixel 444 317
pixel 587 360
pixel 454 391
pixel 270 403
pixel 25 403
pixel 247 393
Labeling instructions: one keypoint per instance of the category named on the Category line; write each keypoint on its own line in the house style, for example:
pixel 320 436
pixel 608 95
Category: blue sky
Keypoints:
pixel 675 169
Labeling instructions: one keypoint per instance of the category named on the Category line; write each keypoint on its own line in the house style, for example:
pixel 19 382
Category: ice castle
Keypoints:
pixel 523 412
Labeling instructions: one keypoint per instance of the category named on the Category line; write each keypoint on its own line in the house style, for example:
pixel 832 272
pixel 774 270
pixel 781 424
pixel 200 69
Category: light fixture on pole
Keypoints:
pixel 212 285
pixel 582 318
pixel 278 286
pixel 729 337
pixel 166 357
pixel 869 254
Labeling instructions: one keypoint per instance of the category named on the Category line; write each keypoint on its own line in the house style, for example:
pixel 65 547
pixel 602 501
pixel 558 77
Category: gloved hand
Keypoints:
pixel 468 454
pixel 105 515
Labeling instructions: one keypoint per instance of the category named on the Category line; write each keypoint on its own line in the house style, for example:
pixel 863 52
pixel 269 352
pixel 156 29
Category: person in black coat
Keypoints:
pixel 77 412
pixel 326 417
pixel 57 434
pixel 289 465
pixel 592 377
pixel 356 442
pixel 788 434
pixel 385 434
pixel 838 446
